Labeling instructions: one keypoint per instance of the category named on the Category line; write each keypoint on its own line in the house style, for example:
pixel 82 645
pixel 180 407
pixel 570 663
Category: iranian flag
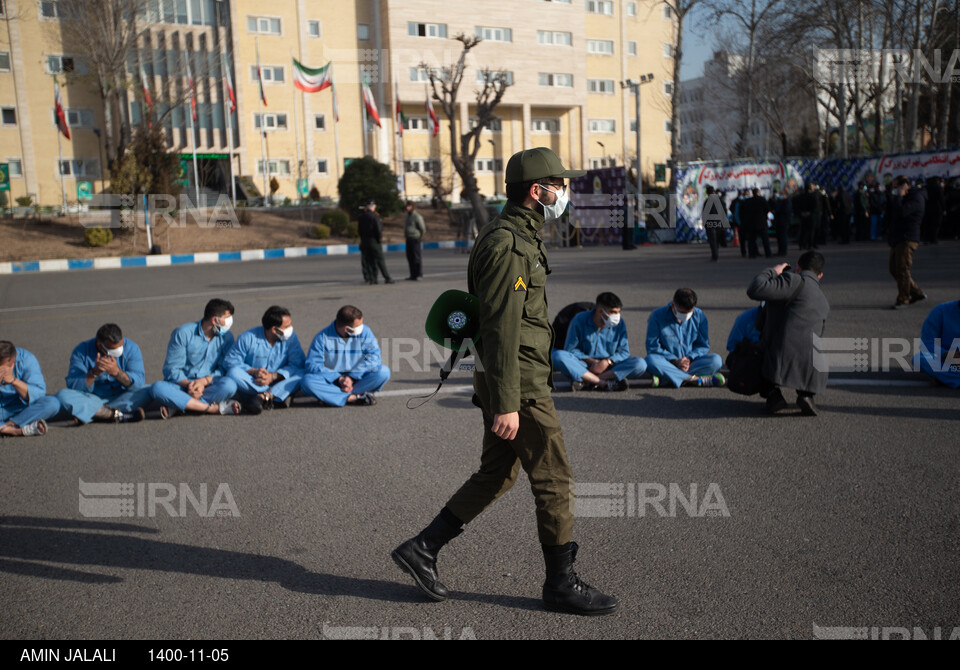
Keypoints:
pixel 193 91
pixel 370 103
pixel 146 87
pixel 230 92
pixel 58 110
pixel 311 80
pixel 433 124
pixel 401 117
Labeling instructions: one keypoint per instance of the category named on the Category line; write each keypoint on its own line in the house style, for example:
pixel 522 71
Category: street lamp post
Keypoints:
pixel 635 87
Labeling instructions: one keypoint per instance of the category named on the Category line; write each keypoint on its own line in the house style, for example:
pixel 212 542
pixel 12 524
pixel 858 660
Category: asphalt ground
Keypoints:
pixel 847 521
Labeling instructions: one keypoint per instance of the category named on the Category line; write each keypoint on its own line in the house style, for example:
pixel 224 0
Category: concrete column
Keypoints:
pixel 27 162
pixel 526 126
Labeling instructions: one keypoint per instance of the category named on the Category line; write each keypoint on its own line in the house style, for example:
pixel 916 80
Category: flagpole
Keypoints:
pixel 296 131
pixel 193 136
pixel 363 104
pixel 229 114
pixel 263 137
pixel 398 119
pixel 336 124
pixel 63 188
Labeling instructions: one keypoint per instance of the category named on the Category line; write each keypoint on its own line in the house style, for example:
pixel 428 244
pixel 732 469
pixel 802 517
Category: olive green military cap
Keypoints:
pixel 538 163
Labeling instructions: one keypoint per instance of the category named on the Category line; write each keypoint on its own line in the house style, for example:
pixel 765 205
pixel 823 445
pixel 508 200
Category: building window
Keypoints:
pixel 494 125
pixel 418 74
pixel 50 9
pixel 494 34
pixel 633 126
pixel 14 167
pixel 363 31
pixel 415 123
pixel 631 9
pixel 545 125
pixel 3 11
pixel 597 163
pixel 62 65
pixel 270 121
pixel 271 73
pixel 606 86
pixel 263 25
pixel 556 79
pixel 667 50
pixel 76 118
pixel 604 47
pixel 421 165
pixel 323 166
pixel 668 126
pixel 667 12
pixel 320 122
pixel 602 125
pixel 631 48
pixel 491 76
pixel 668 88
pixel 79 168
pixel 313 28
pixel 4 61
pixel 489 165
pixel 279 167
pixel 8 116
pixel 556 38
pixel 604 7
pixel 427 29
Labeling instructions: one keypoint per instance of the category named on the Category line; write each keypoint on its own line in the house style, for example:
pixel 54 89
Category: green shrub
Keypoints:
pixel 352 231
pixel 337 220
pixel 320 231
pixel 24 201
pixel 366 179
pixel 98 237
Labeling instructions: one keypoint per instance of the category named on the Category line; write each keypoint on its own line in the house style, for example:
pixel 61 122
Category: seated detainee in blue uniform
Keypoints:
pixel 597 353
pixel 678 346
pixel 193 376
pixel 24 403
pixel 106 379
pixel 744 329
pixel 267 362
pixel 941 360
pixel 344 364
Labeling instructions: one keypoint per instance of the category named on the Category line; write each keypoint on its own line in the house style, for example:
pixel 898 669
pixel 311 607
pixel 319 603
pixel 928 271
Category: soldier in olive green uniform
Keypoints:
pixel 507 272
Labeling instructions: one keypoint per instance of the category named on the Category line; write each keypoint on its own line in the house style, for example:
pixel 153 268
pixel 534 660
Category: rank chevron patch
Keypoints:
pixel 519 285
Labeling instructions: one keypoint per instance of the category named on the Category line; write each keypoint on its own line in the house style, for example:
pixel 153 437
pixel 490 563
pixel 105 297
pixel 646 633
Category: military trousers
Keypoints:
pixel 539 449
pixel 371 260
pixel 901 262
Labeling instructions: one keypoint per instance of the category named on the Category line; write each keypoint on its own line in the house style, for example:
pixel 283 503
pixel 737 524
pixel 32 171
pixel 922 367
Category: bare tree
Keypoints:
pixel 464 147
pixel 106 33
pixel 681 10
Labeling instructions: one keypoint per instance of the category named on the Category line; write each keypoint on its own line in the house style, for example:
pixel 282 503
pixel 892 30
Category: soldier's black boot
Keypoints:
pixel 418 555
pixel 563 591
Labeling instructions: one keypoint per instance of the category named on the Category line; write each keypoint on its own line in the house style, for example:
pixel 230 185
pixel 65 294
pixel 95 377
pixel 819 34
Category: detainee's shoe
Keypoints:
pixel 655 382
pixel 168 412
pixel 617 385
pixel 418 557
pixel 365 400
pixel 576 387
pixel 252 405
pixel 713 380
pixel 564 591
pixel 128 417
pixel 34 428
pixel 283 404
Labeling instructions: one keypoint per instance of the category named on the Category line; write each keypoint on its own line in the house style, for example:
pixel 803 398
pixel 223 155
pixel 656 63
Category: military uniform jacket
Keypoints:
pixel 508 273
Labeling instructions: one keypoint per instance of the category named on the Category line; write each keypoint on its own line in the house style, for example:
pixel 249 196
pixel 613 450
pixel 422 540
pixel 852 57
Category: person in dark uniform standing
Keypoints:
pixel 507 272
pixel 370 230
pixel 413 230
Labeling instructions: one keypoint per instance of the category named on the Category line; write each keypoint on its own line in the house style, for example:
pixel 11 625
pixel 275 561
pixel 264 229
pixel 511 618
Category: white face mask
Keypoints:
pixel 225 325
pixel 354 332
pixel 682 318
pixel 554 211
pixel 286 333
pixel 115 353
pixel 610 319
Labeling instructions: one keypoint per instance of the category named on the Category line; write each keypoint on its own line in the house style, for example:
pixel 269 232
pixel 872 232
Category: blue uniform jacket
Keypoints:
pixel 251 350
pixel 672 340
pixel 84 357
pixel 743 329
pixel 331 356
pixel 26 368
pixel 190 355
pixel 584 340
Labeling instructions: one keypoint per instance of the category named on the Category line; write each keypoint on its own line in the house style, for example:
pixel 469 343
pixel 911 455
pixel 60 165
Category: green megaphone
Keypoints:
pixel 454 320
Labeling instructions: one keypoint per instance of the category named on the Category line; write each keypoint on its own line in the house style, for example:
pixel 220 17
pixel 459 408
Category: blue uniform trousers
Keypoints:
pixel 44 408
pixel 172 395
pixel 703 366
pixel 330 394
pixel 83 405
pixel 573 368
pixel 246 387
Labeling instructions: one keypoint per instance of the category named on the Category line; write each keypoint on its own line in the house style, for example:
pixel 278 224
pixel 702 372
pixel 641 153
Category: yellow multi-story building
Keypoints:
pixel 565 62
